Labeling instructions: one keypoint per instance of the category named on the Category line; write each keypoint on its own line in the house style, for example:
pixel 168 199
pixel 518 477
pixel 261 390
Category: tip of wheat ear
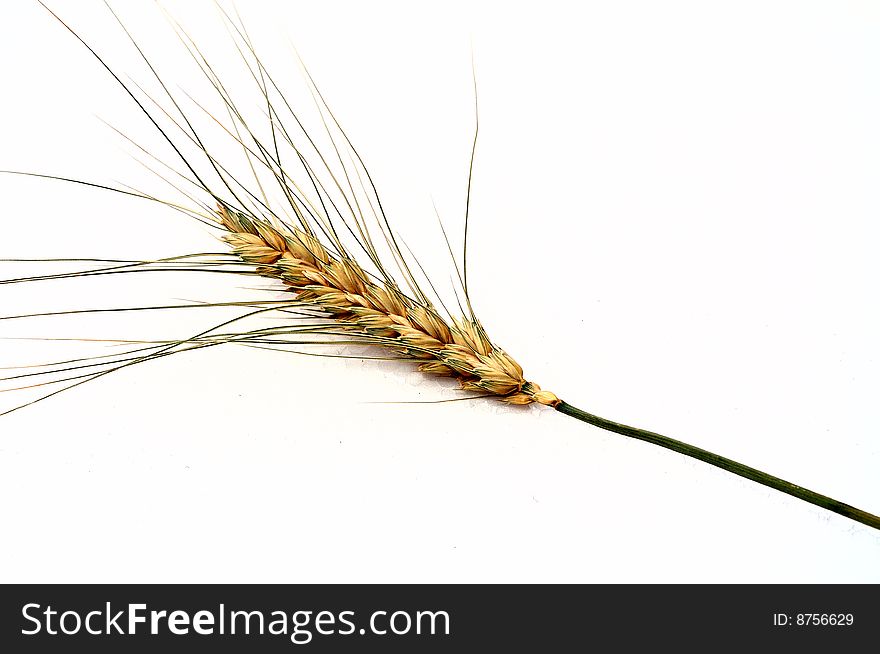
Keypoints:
pixel 379 313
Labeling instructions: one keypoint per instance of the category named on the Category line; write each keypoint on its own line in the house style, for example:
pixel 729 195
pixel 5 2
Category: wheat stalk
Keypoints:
pixel 341 298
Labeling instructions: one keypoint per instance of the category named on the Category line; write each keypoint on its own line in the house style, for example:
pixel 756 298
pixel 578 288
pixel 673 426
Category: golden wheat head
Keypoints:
pixel 342 289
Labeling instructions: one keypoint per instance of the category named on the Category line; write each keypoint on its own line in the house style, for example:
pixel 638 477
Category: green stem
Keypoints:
pixel 725 464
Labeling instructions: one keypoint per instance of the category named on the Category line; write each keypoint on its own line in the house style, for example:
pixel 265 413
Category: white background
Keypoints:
pixel 674 226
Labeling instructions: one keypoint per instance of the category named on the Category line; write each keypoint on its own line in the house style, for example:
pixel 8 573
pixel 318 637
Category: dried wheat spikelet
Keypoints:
pixel 331 248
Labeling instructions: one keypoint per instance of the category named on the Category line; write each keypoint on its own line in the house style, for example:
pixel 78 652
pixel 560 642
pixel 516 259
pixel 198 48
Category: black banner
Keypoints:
pixel 430 618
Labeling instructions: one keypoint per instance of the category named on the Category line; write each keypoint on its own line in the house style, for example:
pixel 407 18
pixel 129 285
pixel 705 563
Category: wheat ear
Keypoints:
pixel 381 312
